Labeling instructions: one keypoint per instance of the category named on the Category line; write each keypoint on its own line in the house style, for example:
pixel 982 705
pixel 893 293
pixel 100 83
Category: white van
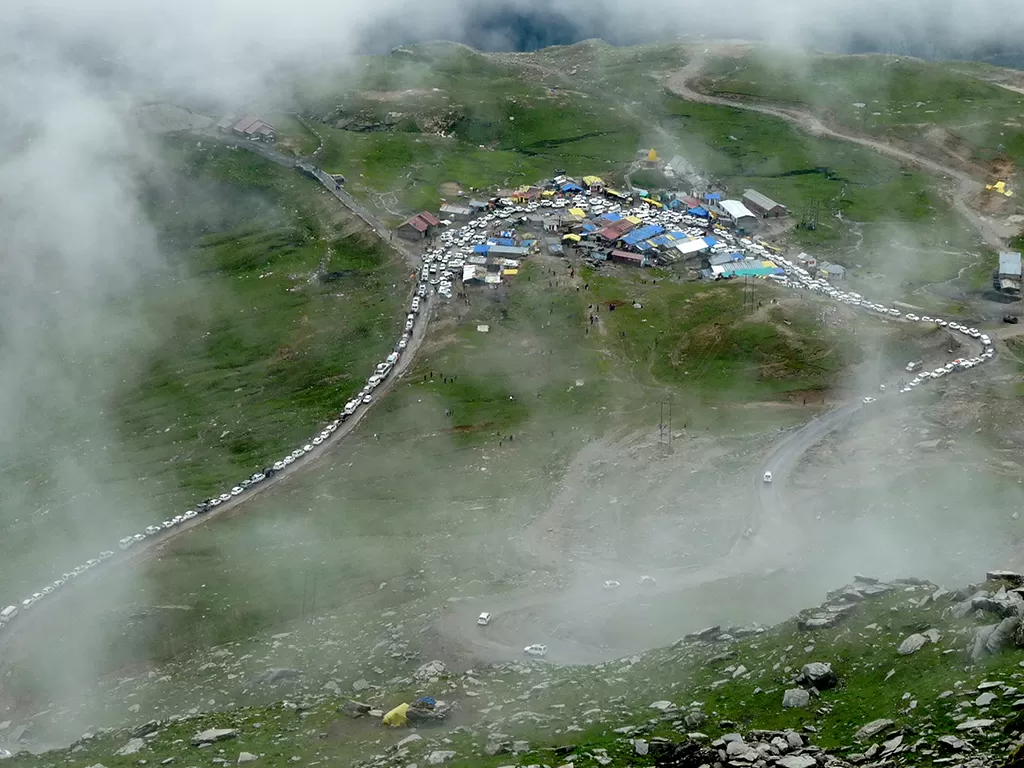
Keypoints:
pixel 483 619
pixel 8 613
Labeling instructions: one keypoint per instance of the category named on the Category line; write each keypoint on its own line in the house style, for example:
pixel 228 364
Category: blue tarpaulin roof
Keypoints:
pixel 527 243
pixel 481 248
pixel 698 211
pixel 710 240
pixel 713 196
pixel 572 188
pixel 643 246
pixel 612 216
pixel 501 241
pixel 637 235
pixel 588 227
pixel 677 235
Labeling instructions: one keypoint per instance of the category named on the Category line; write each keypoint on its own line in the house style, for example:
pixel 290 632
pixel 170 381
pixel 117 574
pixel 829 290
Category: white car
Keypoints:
pixel 536 650
pixel 912 316
pixel 367 399
pixel 288 460
pixel 647 581
pixel 236 490
pixel 307 448
pixel 483 619
pixel 190 514
pixel 318 440
pixel 768 477
pixel 868 400
pixel 297 453
pixel 611 584
pixel 279 465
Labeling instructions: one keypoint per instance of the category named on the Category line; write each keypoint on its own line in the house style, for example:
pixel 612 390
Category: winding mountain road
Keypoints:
pixel 964 187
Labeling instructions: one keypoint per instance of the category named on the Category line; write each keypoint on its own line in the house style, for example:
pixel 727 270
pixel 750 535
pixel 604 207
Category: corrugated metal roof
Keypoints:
pixel 736 209
pixel 762 201
pixel 643 233
pixel 1010 263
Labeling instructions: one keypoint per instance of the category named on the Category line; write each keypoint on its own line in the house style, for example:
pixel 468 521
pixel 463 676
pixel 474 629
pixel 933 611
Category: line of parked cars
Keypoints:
pixel 363 397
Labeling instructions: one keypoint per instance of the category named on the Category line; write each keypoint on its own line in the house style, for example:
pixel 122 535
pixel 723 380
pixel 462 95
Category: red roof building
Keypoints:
pixel 419 226
pixel 615 230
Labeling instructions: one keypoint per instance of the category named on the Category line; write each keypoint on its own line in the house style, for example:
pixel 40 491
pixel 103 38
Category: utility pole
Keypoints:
pixel 670 423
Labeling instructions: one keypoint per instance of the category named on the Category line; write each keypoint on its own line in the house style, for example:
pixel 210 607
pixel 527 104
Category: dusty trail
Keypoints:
pixel 964 186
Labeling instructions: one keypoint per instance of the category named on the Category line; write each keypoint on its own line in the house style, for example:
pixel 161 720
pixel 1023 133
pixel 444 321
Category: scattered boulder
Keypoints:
pixel 640 746
pixel 1002 635
pixel 985 699
pixel 663 706
pixel 818 674
pixel 979 648
pixel 796 697
pixel 355 708
pixel 212 735
pixel 796 761
pixel 278 675
pixel 432 670
pixel 871 729
pixel 440 756
pixel 145 729
pixel 912 644
pixel 694 718
pixel 685 754
pixel 246 757
pixel 360 685
pixel 952 742
pixel 410 739
pixel 132 747
pixel 1009 576
pixel 974 723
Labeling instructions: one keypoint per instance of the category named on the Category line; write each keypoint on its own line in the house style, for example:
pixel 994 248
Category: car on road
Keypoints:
pixel 367 399
pixel 536 650
pixel 307 448
pixel 237 490
pixel 647 581
pixel 483 619
pixel 611 584
pixel 224 497
pixel 868 400
pixel 768 476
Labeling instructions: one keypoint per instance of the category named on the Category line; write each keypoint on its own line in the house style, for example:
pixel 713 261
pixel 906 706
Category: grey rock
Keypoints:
pixel 278 675
pixel 145 729
pixel 874 727
pixel 970 725
pixel 794 739
pixel 1002 635
pixel 932 635
pixel 410 739
pixel 440 756
pixel 132 747
pixel 430 671
pixel 891 745
pixel 952 742
pixel 498 747
pixel 246 757
pixel 729 737
pixel 212 735
pixel 985 699
pixel 355 708
pixel 1010 576
pixel 662 706
pixel 979 648
pixel 640 746
pixel 796 697
pixel 818 674
pixel 360 685
pixel 518 747
pixel 694 718
pixel 796 761
pixel 912 644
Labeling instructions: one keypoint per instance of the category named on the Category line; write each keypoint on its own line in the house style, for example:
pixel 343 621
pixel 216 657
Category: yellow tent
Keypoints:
pixel 593 181
pixel 579 213
pixel 652 156
pixel 572 237
pixel 634 220
pixel 548 193
pixel 396 718
pixel 655 203
pixel 510 272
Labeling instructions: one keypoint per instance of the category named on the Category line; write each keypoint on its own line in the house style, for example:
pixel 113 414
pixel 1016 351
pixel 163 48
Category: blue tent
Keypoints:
pixel 572 188
pixel 713 196
pixel 698 212
pixel 481 248
pixel 588 227
pixel 611 216
pixel 501 241
pixel 710 241
pixel 644 233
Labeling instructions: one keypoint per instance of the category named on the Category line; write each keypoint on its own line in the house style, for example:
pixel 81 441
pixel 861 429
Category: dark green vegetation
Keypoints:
pixel 729 686
pixel 726 342
pixel 227 355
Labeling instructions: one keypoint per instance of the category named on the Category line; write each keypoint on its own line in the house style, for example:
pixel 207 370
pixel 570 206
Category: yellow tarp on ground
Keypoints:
pixel 1000 187
pixel 548 193
pixel 396 718
pixel 570 236
pixel 578 213
pixel 634 219
pixel 508 272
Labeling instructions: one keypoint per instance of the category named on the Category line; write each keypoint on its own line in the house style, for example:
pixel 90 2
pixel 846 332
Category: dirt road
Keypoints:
pixel 963 186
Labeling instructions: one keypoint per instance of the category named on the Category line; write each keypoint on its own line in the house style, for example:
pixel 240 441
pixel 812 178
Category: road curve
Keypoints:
pixel 966 185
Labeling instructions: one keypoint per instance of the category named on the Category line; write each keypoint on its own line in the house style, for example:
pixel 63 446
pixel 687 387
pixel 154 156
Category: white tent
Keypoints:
pixel 736 210
pixel 692 246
